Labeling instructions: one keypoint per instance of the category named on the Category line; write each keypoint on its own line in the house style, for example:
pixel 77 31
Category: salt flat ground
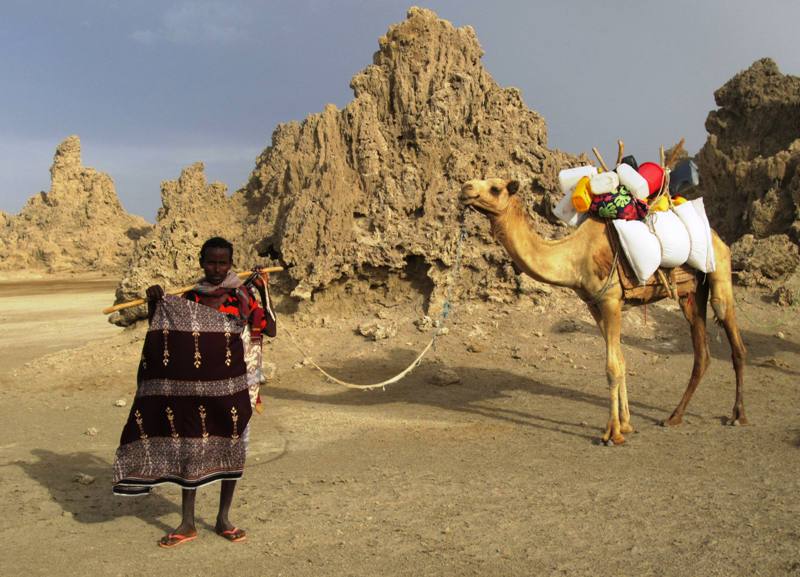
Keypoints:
pixel 499 474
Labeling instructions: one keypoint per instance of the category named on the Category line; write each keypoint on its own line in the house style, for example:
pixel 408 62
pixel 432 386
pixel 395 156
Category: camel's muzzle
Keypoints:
pixel 467 196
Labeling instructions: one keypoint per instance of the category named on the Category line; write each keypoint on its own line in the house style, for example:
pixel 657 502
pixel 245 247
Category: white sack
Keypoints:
pixel 700 208
pixel 672 235
pixel 604 182
pixel 641 247
pixel 698 236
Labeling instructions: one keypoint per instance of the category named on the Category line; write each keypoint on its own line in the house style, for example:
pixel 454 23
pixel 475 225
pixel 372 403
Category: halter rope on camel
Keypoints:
pixel 380 385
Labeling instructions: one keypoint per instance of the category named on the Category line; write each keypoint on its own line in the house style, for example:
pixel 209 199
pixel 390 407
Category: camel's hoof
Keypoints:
pixel 618 440
pixel 625 429
pixel 671 422
pixel 738 422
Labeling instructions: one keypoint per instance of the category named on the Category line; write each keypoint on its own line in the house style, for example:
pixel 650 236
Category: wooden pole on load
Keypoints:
pixel 673 156
pixel 620 151
pixel 180 291
pixel 600 158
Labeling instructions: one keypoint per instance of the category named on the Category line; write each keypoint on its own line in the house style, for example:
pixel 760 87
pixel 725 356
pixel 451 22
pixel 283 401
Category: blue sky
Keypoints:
pixel 152 86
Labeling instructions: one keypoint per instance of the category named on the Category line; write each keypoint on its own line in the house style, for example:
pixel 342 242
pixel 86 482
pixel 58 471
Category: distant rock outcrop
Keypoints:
pixel 78 225
pixel 750 170
pixel 367 195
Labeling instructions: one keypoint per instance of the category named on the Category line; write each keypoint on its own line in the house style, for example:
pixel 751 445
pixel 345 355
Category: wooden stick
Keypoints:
pixel 661 156
pixel 663 278
pixel 620 151
pixel 675 151
pixel 180 291
pixel 600 158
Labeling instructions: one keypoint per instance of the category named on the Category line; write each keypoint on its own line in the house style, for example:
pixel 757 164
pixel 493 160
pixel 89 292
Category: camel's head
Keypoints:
pixel 490 196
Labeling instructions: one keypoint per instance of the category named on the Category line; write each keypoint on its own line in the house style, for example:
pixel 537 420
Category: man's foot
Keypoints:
pixel 174 539
pixel 234 535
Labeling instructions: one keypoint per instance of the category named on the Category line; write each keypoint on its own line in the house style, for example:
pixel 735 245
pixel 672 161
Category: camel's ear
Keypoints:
pixel 512 187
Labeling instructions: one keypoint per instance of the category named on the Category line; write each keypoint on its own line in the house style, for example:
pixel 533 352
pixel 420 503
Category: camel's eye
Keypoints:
pixel 495 190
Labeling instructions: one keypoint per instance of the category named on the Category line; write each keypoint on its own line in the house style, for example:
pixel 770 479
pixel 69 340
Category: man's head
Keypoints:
pixel 216 258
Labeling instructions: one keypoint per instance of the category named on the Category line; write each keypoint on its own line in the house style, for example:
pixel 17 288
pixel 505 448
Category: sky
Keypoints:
pixel 152 86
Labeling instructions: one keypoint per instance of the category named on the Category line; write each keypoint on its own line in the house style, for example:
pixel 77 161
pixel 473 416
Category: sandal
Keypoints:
pixel 234 535
pixel 174 539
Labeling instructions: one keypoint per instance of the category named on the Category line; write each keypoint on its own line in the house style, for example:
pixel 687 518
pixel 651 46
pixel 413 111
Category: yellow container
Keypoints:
pixel 581 198
pixel 660 204
pixel 678 200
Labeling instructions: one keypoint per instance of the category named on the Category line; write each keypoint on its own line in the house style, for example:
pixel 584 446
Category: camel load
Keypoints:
pixel 629 192
pixel 656 226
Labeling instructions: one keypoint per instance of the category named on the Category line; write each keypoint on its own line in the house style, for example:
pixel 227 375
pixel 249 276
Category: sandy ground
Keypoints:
pixel 499 474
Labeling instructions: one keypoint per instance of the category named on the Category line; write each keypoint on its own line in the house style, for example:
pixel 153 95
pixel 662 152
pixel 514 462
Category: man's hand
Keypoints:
pixel 155 293
pixel 263 276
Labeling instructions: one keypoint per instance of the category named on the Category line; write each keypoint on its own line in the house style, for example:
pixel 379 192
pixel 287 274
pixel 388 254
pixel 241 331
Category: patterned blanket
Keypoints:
pixel 188 421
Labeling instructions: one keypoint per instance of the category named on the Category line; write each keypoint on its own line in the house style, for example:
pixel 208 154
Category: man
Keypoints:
pixel 189 422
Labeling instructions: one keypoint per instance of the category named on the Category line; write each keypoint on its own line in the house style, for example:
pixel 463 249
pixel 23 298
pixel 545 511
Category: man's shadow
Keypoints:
pixel 94 502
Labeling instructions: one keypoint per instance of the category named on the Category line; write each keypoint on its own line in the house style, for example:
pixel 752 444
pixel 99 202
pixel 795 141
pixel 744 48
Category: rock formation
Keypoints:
pixel 366 195
pixel 79 225
pixel 750 171
pixel 374 185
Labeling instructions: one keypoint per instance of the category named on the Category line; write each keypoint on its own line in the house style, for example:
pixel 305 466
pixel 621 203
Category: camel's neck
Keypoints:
pixel 545 260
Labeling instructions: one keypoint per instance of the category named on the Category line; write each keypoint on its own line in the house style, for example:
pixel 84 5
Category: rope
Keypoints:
pixel 462 234
pixel 380 385
pixel 615 245
pixel 446 308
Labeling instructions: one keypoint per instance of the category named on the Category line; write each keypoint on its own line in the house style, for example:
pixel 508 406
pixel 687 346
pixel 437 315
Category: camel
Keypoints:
pixel 583 262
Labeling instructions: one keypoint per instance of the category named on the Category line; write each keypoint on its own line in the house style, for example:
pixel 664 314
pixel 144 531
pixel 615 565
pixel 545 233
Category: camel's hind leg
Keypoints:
pixel 723 305
pixel 738 354
pixel 693 306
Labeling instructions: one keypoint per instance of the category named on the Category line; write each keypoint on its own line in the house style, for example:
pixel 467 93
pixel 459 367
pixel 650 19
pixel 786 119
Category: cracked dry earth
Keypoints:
pixel 499 473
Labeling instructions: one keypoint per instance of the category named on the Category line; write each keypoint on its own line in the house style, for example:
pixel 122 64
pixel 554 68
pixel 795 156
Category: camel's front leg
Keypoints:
pixel 610 326
pixel 624 412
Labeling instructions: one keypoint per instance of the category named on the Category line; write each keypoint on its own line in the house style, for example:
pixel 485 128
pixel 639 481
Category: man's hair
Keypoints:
pixel 216 242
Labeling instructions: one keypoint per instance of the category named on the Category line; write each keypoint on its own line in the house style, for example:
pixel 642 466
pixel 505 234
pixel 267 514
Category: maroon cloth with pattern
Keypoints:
pixel 188 420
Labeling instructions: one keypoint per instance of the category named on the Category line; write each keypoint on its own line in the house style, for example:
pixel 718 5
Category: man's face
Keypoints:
pixel 216 263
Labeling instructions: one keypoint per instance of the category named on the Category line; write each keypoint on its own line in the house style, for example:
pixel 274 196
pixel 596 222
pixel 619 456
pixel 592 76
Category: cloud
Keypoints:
pixel 146 37
pixel 193 23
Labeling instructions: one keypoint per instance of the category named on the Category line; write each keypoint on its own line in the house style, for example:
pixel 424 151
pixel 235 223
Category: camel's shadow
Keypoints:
pixel 761 347
pixel 93 503
pixel 480 392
